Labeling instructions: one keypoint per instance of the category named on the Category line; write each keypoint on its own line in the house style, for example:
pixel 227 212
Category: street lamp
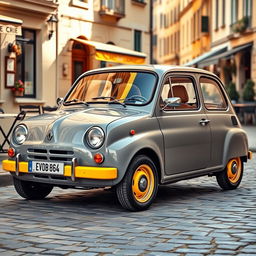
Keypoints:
pixel 51 23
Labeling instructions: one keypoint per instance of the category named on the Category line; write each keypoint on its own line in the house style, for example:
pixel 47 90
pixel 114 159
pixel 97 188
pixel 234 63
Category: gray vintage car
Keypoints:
pixel 131 128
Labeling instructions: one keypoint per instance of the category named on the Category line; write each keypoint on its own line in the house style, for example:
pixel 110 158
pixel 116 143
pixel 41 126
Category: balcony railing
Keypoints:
pixel 112 8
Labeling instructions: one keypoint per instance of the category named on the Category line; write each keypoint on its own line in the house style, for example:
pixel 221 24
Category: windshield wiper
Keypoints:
pixel 136 98
pixel 114 101
pixel 75 102
pixel 103 98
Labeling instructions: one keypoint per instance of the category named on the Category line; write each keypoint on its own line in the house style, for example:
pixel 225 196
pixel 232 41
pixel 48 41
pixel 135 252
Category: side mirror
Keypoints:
pixel 172 102
pixel 59 101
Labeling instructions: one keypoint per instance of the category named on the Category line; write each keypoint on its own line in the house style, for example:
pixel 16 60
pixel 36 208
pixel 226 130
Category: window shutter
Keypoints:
pixel 205 24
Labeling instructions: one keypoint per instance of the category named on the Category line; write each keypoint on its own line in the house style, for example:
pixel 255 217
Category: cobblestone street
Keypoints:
pixel 188 218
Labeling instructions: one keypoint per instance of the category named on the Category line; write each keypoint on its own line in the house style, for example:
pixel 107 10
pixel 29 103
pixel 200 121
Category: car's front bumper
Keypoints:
pixel 70 171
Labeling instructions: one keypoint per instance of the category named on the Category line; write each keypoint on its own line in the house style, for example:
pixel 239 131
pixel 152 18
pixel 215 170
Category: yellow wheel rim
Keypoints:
pixel 143 182
pixel 234 170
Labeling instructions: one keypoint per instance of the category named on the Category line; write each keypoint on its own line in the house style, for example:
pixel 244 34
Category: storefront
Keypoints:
pixel 26 54
pixel 9 29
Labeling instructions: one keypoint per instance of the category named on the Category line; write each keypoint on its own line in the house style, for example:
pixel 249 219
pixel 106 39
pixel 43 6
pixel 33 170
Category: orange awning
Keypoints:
pixel 113 53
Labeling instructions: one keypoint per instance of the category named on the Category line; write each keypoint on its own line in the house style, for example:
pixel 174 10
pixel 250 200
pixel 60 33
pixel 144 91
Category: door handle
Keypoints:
pixel 204 122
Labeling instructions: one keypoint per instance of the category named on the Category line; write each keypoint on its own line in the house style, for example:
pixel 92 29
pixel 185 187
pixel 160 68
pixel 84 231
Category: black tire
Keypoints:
pixel 138 196
pixel 32 190
pixel 232 175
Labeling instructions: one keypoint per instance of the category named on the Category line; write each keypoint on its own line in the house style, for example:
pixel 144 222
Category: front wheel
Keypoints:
pixel 138 189
pixel 32 190
pixel 231 176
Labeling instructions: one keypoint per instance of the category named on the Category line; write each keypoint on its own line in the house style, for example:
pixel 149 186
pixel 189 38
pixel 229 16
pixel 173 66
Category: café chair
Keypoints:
pixel 19 117
pixel 249 115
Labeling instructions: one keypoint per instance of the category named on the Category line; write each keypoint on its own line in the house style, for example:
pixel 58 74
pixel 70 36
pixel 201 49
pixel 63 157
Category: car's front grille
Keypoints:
pixel 51 155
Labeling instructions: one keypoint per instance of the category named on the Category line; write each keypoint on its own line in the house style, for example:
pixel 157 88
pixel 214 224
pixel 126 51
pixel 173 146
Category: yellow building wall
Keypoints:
pixel 190 48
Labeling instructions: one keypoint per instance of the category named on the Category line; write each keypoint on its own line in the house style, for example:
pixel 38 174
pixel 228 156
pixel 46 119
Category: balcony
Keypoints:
pixel 141 3
pixel 241 26
pixel 112 9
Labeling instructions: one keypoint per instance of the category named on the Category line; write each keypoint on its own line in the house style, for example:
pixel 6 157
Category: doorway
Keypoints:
pixel 80 60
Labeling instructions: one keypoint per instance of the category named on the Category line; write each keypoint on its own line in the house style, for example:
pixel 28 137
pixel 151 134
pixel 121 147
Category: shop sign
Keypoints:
pixel 9 29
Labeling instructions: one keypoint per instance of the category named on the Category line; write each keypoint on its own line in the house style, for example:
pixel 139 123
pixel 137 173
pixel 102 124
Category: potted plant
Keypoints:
pixel 18 88
pixel 232 92
pixel 241 25
pixel 248 92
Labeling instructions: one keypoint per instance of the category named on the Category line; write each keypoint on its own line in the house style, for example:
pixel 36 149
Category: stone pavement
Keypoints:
pixel 188 218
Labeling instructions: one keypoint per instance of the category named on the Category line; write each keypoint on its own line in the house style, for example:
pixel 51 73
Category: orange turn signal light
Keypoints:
pixel 11 152
pixel 98 158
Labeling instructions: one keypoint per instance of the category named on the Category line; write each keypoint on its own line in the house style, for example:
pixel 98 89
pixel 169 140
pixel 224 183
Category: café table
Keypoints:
pixel 6 134
pixel 246 111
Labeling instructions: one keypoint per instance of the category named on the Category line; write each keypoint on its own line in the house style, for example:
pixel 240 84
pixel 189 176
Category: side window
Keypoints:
pixel 182 87
pixel 213 96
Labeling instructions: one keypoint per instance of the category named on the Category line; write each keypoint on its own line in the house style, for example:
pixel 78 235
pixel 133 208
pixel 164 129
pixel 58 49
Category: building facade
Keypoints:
pixel 47 44
pixel 182 30
pixel 234 27
pixel 22 52
pixel 217 35
pixel 100 33
pixel 166 30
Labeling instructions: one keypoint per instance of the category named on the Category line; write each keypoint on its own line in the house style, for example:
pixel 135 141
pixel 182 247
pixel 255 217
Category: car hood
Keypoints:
pixel 70 125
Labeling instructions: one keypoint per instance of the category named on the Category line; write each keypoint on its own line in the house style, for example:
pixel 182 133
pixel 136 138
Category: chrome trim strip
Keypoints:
pixel 73 168
pixel 17 161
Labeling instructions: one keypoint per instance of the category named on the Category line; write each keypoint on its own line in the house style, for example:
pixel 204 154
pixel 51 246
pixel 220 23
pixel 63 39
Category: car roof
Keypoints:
pixel 160 69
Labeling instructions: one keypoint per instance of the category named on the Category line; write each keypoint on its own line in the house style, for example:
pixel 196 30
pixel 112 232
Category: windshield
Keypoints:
pixel 116 87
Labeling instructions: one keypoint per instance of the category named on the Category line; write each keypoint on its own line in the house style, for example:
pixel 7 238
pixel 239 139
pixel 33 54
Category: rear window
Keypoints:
pixel 213 95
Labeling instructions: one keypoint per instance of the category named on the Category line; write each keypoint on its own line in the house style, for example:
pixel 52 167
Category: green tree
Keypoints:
pixel 248 92
pixel 232 92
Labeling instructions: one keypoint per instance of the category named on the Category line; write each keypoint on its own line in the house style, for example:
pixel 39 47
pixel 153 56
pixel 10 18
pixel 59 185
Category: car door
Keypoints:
pixel 220 116
pixel 185 128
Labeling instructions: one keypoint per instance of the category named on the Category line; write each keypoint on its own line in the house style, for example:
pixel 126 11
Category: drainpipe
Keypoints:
pixel 57 60
pixel 151 30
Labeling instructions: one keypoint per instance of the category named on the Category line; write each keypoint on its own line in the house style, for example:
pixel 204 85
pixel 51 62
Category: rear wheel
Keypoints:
pixel 139 187
pixel 231 176
pixel 32 190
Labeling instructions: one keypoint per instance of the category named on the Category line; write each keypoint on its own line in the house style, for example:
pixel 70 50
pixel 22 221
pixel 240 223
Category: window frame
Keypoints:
pixel 193 80
pixel 116 71
pixel 216 14
pixel 221 89
pixel 247 10
pixel 80 3
pixel 23 40
pixel 234 11
pixel 223 14
pixel 137 40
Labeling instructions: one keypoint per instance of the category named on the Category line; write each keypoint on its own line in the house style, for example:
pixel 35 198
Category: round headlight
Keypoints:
pixel 20 134
pixel 95 137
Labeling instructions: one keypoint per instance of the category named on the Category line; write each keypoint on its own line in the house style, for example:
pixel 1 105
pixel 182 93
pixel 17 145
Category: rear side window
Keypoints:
pixel 213 95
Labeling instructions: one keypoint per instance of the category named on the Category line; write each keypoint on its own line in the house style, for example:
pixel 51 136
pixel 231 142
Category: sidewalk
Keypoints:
pixel 251 133
pixel 5 178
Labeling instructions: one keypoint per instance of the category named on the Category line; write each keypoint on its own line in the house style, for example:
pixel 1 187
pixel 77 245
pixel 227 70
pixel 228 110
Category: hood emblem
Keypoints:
pixel 49 136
